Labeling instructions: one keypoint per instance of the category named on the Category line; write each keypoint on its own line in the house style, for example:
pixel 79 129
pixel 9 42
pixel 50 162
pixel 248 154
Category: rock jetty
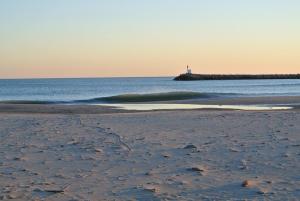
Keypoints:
pixel 191 77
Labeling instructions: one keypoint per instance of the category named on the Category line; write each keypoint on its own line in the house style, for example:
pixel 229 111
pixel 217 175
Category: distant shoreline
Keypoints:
pixel 193 77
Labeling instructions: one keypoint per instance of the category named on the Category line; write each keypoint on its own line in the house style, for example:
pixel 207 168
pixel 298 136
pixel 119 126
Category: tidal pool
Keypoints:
pixel 149 107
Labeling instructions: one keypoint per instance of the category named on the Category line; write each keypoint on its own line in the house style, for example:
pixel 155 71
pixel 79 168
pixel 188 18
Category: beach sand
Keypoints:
pixel 52 152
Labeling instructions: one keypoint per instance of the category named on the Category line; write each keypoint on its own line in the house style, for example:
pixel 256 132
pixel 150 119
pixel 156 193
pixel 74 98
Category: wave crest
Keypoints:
pixel 167 96
pixel 129 98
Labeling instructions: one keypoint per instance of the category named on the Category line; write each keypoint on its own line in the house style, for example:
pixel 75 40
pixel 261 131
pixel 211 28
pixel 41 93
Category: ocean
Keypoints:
pixel 115 90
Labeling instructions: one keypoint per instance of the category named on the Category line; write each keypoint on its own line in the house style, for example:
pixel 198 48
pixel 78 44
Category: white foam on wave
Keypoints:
pixel 149 107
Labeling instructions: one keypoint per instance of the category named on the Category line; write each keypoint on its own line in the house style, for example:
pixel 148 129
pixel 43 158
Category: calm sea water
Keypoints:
pixel 90 88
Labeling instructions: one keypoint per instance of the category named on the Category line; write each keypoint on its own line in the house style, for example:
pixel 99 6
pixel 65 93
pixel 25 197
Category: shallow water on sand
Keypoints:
pixel 149 107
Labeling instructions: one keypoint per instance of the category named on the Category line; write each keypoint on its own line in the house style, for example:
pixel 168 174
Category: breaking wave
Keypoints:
pixel 167 96
pixel 130 98
pixel 152 97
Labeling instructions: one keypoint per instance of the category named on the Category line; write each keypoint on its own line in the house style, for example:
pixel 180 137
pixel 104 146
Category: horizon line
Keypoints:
pixel 142 76
pixel 87 77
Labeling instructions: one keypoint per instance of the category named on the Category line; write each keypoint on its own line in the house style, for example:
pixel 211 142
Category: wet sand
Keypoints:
pixel 50 152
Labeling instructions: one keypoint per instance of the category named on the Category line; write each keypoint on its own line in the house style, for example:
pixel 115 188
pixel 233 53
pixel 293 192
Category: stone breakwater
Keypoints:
pixel 191 77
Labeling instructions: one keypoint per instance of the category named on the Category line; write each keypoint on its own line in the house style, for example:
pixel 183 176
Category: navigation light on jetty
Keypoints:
pixel 188 70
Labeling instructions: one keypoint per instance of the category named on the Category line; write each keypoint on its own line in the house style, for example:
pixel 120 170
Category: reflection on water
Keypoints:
pixel 147 107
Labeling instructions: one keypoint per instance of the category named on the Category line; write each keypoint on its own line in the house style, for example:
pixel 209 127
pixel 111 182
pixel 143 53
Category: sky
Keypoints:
pixel 107 38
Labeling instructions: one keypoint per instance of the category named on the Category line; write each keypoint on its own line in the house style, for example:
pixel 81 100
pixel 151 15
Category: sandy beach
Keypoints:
pixel 149 100
pixel 58 152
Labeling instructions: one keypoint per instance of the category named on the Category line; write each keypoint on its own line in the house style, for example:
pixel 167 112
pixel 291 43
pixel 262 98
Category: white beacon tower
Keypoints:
pixel 188 70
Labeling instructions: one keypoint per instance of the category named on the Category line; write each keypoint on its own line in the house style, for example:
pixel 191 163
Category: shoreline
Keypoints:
pixel 293 101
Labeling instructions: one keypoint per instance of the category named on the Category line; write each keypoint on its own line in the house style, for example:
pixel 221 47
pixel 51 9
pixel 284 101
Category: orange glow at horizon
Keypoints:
pixel 148 39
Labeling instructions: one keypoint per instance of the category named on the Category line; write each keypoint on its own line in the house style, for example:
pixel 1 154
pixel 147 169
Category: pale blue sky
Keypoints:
pixel 155 37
